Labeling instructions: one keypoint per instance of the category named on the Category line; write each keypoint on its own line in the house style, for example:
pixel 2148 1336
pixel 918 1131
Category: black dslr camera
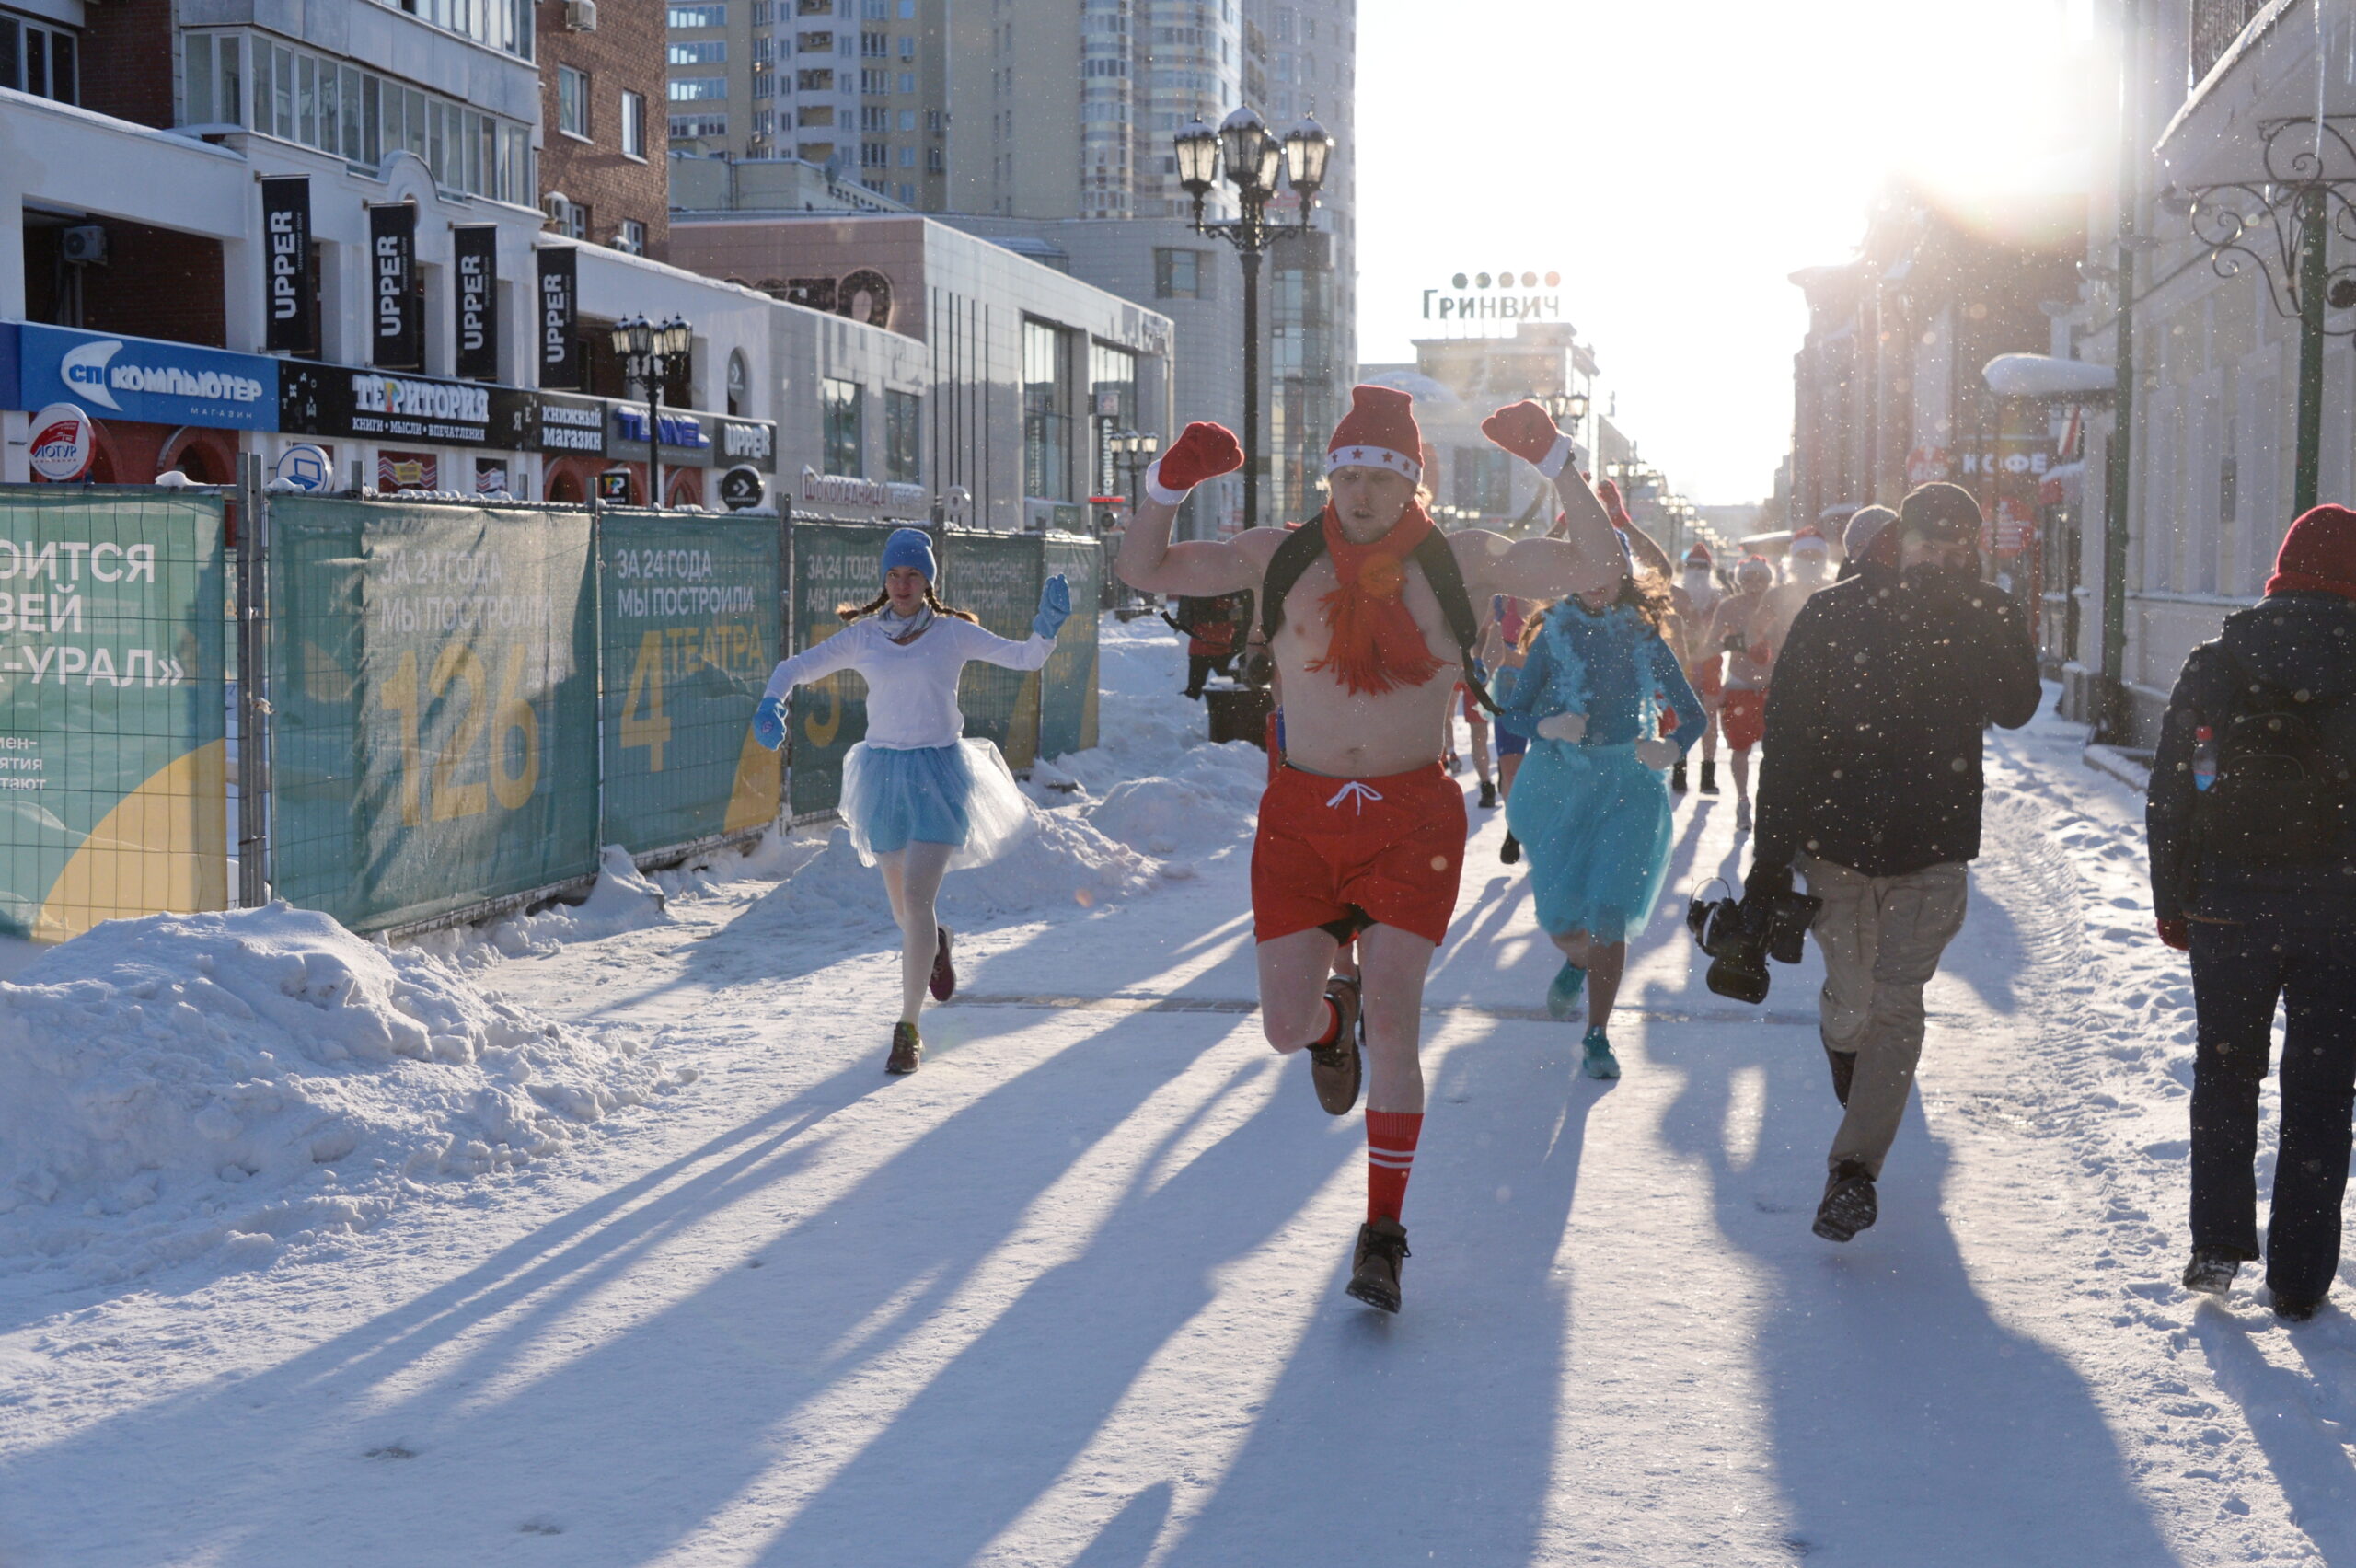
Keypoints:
pixel 1740 936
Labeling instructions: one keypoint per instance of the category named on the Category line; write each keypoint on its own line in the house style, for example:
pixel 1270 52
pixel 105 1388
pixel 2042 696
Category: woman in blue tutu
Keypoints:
pixel 919 798
pixel 1589 805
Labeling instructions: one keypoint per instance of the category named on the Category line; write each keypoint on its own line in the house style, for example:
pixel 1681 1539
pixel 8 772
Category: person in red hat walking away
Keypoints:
pixel 2252 820
pixel 1743 629
pixel 1369 615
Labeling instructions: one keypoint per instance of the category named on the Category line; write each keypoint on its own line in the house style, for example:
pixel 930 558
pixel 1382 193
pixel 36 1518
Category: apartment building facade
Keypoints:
pixel 604 151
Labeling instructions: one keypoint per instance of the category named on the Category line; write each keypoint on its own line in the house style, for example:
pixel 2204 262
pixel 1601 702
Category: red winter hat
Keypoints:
pixel 1377 432
pixel 1698 555
pixel 2318 552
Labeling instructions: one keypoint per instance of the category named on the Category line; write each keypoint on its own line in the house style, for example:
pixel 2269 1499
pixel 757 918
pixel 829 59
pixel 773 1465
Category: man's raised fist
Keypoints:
pixel 1203 450
pixel 1528 431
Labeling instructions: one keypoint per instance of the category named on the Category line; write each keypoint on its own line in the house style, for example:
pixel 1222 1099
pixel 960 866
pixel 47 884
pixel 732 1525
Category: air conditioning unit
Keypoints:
pixel 83 245
pixel 558 209
pixel 581 16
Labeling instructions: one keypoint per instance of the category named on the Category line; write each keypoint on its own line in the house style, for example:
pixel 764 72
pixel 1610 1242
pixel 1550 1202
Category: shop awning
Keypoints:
pixel 2048 378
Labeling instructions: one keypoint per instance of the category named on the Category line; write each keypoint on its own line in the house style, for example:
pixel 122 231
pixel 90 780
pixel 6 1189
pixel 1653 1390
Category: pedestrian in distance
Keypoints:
pixel 1213 628
pixel 1741 631
pixel 1857 535
pixel 1871 788
pixel 1500 657
pixel 1370 613
pixel 919 798
pixel 1695 600
pixel 1590 807
pixel 2252 823
pixel 1810 567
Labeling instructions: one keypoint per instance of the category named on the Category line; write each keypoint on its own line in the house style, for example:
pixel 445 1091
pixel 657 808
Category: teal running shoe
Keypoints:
pixel 1563 991
pixel 1599 1061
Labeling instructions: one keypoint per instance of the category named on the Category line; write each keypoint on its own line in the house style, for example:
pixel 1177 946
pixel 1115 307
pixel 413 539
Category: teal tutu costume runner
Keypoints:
pixel 961 795
pixel 1595 823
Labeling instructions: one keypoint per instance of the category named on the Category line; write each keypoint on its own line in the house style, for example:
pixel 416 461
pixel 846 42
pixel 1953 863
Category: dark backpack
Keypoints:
pixel 2281 793
pixel 1306 543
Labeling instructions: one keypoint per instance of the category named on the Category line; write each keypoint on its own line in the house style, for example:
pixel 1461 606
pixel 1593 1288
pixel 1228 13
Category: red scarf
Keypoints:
pixel 1376 643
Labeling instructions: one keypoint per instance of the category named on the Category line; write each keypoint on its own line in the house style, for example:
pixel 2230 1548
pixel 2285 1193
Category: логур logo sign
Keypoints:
pixel 64 443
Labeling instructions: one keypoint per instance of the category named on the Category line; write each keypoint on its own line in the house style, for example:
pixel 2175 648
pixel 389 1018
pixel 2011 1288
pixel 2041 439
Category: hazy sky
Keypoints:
pixel 1676 162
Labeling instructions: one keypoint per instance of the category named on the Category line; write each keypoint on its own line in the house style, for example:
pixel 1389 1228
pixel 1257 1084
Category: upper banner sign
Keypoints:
pixel 291 299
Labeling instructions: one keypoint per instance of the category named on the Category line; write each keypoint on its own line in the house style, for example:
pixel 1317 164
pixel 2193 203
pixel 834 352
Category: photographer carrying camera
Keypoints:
pixel 1871 788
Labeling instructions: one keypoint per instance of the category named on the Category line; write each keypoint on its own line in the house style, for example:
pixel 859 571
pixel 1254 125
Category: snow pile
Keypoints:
pixel 1064 863
pixel 622 899
pixel 242 1081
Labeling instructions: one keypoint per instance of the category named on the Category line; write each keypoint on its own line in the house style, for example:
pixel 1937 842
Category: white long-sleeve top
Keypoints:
pixel 912 687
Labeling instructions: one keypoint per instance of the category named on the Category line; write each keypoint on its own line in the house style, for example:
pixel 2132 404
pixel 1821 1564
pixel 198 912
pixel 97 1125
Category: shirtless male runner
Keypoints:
pixel 1361 832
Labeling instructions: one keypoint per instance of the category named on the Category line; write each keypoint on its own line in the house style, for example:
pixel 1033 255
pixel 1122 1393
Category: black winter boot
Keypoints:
pixel 1848 1206
pixel 1709 775
pixel 1677 778
pixel 1374 1268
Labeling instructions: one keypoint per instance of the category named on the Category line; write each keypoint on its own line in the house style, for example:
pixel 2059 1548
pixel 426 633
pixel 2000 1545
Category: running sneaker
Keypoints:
pixel 1374 1267
pixel 2211 1271
pixel 944 973
pixel 1563 991
pixel 1596 1059
pixel 1510 850
pixel 1335 1070
pixel 1742 816
pixel 908 1050
pixel 1848 1206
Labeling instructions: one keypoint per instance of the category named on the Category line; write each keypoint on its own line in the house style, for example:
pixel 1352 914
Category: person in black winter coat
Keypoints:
pixel 2279 930
pixel 1871 788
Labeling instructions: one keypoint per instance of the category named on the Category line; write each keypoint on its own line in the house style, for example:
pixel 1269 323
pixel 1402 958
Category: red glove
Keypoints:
pixel 2177 934
pixel 1528 431
pixel 1202 451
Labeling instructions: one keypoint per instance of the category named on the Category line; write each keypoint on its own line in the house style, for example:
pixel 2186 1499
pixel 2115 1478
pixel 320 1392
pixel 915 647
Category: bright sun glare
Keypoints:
pixel 1677 162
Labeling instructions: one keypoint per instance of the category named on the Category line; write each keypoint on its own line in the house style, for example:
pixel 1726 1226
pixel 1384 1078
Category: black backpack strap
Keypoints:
pixel 1440 569
pixel 1300 547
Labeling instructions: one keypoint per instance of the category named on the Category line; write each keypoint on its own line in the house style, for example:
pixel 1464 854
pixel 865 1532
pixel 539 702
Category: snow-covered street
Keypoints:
pixel 1071 1295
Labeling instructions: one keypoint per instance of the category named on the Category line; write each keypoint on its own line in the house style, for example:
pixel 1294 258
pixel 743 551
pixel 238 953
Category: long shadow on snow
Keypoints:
pixel 2297 1422
pixel 712 1395
pixel 1429 1437
pixel 1909 1426
pixel 182 1444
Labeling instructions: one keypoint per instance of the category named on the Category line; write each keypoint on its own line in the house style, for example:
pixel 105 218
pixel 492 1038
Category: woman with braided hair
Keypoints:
pixel 918 799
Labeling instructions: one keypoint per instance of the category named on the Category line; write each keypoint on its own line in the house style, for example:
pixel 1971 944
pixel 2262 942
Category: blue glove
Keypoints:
pixel 768 722
pixel 1055 607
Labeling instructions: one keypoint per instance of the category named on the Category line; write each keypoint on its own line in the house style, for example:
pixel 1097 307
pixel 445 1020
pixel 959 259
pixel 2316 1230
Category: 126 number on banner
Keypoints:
pixel 459 784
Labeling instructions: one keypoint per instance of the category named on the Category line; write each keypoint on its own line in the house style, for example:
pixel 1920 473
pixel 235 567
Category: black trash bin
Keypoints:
pixel 1239 712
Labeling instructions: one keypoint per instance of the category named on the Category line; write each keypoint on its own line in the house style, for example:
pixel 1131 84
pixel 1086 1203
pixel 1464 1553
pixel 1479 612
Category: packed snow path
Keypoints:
pixel 1071 1296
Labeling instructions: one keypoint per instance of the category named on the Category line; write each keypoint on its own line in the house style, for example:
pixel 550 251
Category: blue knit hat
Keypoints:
pixel 909 547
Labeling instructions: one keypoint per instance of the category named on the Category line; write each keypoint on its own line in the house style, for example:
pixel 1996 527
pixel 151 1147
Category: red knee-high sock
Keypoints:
pixel 1390 1156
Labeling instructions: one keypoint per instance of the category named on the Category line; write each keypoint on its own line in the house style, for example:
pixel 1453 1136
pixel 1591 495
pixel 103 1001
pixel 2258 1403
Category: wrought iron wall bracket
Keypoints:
pixel 2308 189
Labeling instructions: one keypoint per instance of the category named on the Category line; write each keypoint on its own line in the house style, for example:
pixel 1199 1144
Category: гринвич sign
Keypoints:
pixel 1496 296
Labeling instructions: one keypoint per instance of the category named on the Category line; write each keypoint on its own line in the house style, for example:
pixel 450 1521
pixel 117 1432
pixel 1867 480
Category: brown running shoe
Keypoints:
pixel 1336 1069
pixel 908 1050
pixel 945 973
pixel 1374 1268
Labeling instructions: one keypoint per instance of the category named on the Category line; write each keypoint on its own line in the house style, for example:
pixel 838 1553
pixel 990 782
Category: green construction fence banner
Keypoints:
pixel 113 779
pixel 692 614
pixel 435 680
pixel 1068 691
pixel 997 577
pixel 834 564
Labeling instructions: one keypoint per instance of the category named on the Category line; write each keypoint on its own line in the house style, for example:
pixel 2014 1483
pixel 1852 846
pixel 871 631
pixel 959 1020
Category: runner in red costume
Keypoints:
pixel 1361 835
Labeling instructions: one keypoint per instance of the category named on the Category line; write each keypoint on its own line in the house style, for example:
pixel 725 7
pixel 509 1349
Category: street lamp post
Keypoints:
pixel 1132 451
pixel 1251 153
pixel 648 352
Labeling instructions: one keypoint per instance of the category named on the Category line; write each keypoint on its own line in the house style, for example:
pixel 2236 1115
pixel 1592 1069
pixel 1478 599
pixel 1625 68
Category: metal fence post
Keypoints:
pixel 253 685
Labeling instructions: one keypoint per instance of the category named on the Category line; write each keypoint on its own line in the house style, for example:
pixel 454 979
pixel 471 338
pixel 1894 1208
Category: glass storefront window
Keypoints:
pixel 840 405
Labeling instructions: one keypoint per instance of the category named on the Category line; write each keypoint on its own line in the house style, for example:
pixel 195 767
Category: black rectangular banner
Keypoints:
pixel 288 303
pixel 561 364
pixel 396 300
pixel 477 253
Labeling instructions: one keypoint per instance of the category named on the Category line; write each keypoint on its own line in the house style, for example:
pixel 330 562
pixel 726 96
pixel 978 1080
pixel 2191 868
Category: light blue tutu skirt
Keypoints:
pixel 1594 824
pixel 961 795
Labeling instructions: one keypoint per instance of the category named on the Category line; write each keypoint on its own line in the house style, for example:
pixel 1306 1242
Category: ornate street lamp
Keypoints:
pixel 648 352
pixel 1254 158
pixel 1132 451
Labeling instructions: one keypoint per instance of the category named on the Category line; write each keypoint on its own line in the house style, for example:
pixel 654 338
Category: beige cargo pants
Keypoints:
pixel 1882 939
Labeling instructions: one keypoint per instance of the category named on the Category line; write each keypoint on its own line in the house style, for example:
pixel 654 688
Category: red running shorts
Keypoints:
pixel 1348 853
pixel 1745 717
pixel 1703 673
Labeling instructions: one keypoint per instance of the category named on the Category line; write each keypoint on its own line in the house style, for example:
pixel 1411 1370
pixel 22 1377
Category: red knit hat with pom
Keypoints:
pixel 1377 432
pixel 2320 552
